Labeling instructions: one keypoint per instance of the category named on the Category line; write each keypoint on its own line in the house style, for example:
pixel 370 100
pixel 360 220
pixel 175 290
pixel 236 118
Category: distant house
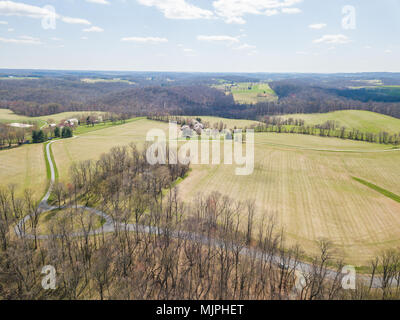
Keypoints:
pixel 186 131
pixel 71 122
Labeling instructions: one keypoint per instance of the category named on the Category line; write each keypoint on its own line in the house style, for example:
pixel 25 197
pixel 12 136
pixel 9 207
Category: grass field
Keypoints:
pixel 247 92
pixel 9 116
pixel 230 123
pixel 353 119
pixel 25 167
pixel 98 80
pixel 91 145
pixel 313 194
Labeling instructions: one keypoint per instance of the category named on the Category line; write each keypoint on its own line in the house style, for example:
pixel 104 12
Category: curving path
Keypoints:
pixel 110 226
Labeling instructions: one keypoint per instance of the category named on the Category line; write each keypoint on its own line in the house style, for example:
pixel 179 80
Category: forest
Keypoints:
pixel 188 94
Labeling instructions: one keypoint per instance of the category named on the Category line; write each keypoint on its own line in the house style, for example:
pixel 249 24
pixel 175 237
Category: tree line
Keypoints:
pixel 12 136
pixel 329 128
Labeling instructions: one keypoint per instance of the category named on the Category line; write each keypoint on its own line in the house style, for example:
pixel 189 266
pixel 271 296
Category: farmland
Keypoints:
pixel 230 123
pixel 310 184
pixel 247 92
pixel 91 145
pixel 25 167
pixel 99 80
pixel 313 194
pixel 9 116
pixel 365 121
pixel 305 181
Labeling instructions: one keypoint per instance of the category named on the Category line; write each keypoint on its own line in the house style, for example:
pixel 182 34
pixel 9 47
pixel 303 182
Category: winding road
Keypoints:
pixel 110 226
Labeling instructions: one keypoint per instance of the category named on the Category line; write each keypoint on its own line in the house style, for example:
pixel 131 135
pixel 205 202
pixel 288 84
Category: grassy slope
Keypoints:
pixel 92 144
pixel 230 123
pixel 259 92
pixel 357 119
pixel 24 166
pixel 9 116
pixel 312 193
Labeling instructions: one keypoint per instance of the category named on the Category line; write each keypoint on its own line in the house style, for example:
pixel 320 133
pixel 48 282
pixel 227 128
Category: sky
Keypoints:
pixel 201 35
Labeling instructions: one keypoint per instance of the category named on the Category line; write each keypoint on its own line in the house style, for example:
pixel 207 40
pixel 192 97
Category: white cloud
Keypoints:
pixel 178 9
pixel 303 53
pixel 333 39
pixel 245 46
pixel 21 40
pixel 367 47
pixel 3 22
pixel 233 11
pixel 291 10
pixel 93 29
pixel 388 51
pixel 10 29
pixel 188 50
pixel 145 39
pixel 98 1
pixel 317 26
pixel 84 38
pixel 218 38
pixel 55 39
pixel 11 8
pixel 75 21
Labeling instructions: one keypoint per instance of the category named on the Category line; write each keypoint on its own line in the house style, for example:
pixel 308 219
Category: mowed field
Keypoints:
pixel 24 167
pixel 9 116
pixel 91 145
pixel 353 119
pixel 246 92
pixel 312 193
pixel 230 123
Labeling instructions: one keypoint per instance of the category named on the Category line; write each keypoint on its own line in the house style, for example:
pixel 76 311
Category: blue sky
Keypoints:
pixel 201 35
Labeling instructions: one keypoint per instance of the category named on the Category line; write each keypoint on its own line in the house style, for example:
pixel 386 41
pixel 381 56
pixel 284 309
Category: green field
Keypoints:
pixel 245 92
pixel 248 92
pixel 393 91
pixel 365 121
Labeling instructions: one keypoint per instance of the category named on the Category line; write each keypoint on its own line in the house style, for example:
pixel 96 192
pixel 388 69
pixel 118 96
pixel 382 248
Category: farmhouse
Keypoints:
pixel 186 132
